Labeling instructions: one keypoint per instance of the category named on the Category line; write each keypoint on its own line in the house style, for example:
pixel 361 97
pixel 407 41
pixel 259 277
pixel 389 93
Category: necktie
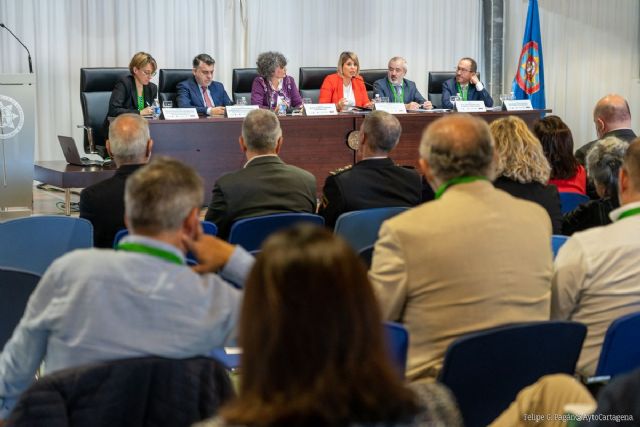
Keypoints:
pixel 207 100
pixel 399 91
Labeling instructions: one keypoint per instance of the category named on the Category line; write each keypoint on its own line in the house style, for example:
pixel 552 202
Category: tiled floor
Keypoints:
pixel 50 201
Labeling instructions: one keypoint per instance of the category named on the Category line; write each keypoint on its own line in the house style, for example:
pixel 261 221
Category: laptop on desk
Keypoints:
pixel 72 156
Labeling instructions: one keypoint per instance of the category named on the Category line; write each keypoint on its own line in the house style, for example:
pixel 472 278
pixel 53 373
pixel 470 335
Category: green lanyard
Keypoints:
pixel 140 102
pixel 463 93
pixel 149 250
pixel 460 180
pixel 397 97
pixel 630 212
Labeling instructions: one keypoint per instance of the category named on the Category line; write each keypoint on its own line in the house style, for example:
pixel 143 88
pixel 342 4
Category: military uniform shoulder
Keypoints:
pixel 407 167
pixel 341 170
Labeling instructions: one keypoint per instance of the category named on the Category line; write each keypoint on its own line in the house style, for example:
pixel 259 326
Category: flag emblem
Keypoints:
pixel 529 66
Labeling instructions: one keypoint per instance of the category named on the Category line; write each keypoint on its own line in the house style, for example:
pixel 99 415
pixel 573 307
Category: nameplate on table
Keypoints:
pixel 391 107
pixel 517 105
pixel 239 111
pixel 470 106
pixel 179 113
pixel 320 109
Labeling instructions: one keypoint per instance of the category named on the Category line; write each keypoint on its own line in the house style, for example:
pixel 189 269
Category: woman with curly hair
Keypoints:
pixel 567 174
pixel 273 87
pixel 522 169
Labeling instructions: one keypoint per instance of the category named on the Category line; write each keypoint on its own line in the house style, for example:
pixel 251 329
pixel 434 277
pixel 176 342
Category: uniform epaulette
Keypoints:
pixel 340 170
pixel 406 166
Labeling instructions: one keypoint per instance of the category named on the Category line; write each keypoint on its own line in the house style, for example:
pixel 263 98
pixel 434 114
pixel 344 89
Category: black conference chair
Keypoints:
pixel 241 82
pixel 311 79
pixel 16 287
pixel 96 85
pixel 370 76
pixel 434 87
pixel 169 79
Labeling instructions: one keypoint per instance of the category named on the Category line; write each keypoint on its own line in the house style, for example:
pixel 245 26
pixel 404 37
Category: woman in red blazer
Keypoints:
pixel 346 87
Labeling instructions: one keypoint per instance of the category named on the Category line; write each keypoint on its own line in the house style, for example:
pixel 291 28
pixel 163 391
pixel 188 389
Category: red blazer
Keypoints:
pixel 331 90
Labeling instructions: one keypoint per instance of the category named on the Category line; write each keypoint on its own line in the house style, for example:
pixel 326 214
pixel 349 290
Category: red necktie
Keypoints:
pixel 207 100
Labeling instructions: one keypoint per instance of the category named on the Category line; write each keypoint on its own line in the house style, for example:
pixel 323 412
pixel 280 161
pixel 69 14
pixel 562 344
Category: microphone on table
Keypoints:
pixel 23 45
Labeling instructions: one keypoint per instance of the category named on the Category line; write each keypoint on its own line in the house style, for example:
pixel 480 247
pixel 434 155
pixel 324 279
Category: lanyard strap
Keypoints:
pixel 149 250
pixel 397 97
pixel 463 93
pixel 630 212
pixel 460 180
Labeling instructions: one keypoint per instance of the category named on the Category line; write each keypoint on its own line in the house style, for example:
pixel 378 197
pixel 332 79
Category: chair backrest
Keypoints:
pixel 168 80
pixel 251 232
pixel 397 344
pixel 38 240
pixel 241 82
pixel 366 254
pixel 621 348
pixel 486 370
pixel 557 241
pixel 570 201
pixel 15 288
pixel 96 85
pixel 142 392
pixel 360 228
pixel 370 76
pixel 311 79
pixel 434 86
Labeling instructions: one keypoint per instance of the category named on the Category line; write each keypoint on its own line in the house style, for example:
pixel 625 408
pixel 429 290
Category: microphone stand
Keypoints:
pixel 23 45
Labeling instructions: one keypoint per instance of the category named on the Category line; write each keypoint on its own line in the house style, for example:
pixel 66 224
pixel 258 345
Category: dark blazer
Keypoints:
pixel 103 205
pixel 124 97
pixel 620 397
pixel 449 89
pixel 409 91
pixel 370 183
pixel 624 134
pixel 594 213
pixel 190 95
pixel 266 185
pixel 545 195
pixel 148 391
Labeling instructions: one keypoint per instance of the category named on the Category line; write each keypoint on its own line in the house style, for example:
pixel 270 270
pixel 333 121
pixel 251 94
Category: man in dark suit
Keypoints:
pixel 467 84
pixel 266 185
pixel 200 91
pixel 398 89
pixel 611 117
pixel 375 181
pixel 129 145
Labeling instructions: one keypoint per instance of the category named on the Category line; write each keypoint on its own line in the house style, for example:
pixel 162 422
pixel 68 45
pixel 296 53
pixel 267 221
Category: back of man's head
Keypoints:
pixel 631 164
pixel 614 111
pixel 128 138
pixel 261 131
pixel 382 130
pixel 458 145
pixel 159 196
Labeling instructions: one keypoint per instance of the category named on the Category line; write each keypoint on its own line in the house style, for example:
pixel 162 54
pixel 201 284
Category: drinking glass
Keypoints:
pixel 384 99
pixel 307 101
pixel 453 100
pixel 242 101
pixel 167 104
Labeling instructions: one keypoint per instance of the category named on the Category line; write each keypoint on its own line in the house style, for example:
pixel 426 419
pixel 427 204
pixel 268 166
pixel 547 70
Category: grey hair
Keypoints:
pixel 604 160
pixel 458 145
pixel 267 63
pixel 399 58
pixel 128 137
pixel 261 131
pixel 382 129
pixel 159 196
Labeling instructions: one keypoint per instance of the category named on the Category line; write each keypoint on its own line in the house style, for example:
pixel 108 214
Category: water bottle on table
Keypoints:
pixel 156 109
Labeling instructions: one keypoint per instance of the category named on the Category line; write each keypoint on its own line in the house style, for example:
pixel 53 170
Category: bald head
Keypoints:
pixel 458 145
pixel 129 141
pixel 611 113
pixel 631 165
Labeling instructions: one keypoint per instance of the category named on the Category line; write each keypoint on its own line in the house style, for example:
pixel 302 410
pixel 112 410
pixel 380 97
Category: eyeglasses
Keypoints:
pixel 149 73
pixel 463 70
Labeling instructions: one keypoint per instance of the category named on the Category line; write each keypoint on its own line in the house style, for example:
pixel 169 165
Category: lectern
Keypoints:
pixel 17 141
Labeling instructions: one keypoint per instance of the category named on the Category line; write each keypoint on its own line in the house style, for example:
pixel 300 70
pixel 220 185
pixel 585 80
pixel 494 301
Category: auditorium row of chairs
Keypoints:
pixel 96 85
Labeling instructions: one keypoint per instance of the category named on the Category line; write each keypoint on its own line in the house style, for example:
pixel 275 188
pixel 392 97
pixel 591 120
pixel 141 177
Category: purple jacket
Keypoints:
pixel 264 96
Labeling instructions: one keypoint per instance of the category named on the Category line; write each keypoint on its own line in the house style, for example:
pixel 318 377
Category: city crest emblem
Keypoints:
pixel 529 66
pixel 11 117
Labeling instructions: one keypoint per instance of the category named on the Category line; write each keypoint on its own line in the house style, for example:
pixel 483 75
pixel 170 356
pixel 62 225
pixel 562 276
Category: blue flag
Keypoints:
pixel 529 80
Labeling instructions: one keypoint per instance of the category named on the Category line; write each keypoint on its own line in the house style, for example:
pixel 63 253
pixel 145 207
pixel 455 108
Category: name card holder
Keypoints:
pixel 179 113
pixel 470 106
pixel 517 105
pixel 238 111
pixel 391 107
pixel 320 110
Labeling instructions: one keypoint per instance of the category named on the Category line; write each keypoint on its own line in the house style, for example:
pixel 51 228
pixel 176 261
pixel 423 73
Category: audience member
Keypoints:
pixel 619 402
pixel 345 88
pixel 266 185
pixel 375 181
pixel 567 174
pixel 306 365
pixel 597 277
pixel 97 305
pixel 129 144
pixel 135 93
pixel 603 163
pixel 398 89
pixel 200 91
pixel 465 84
pixel 273 87
pixel 522 169
pixel 473 259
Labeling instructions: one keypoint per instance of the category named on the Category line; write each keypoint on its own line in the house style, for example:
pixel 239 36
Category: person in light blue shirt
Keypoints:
pixel 97 305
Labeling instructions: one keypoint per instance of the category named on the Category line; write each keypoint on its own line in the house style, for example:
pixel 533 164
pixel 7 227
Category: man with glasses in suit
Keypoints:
pixel 466 85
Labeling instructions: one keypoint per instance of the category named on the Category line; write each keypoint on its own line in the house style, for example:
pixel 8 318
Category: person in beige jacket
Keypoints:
pixel 473 259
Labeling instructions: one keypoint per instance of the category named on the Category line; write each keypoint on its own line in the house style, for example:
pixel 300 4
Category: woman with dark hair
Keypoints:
pixel 603 163
pixel 313 348
pixel 557 143
pixel 273 86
